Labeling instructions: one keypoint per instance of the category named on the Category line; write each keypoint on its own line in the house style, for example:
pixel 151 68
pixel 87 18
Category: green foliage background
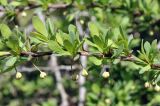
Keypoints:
pixel 124 87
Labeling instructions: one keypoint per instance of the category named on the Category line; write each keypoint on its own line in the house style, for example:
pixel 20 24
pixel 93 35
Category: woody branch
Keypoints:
pixel 130 58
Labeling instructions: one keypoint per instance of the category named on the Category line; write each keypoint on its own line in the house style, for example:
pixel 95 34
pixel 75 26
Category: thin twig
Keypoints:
pixel 30 7
pixel 130 58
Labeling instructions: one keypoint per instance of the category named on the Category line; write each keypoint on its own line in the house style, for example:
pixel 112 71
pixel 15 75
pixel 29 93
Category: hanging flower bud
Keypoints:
pixel 43 75
pixel 18 75
pixel 151 32
pixel 16 26
pixel 75 77
pixel 147 85
pixel 157 88
pixel 24 14
pixel 82 21
pixel 105 74
pixel 64 13
pixel 108 101
pixel 84 72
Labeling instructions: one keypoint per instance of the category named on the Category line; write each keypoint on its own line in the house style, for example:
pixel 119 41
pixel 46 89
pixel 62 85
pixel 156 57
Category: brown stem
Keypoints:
pixel 30 7
pixel 83 53
pixel 37 54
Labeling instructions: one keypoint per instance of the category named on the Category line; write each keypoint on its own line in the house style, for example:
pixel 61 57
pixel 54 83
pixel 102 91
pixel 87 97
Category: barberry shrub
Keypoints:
pixel 118 38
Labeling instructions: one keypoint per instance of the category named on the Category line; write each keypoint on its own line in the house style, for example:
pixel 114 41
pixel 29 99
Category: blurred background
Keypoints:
pixel 124 87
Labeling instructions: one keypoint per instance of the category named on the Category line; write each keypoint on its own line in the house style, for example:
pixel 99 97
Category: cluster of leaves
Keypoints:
pixel 106 43
pixel 13 41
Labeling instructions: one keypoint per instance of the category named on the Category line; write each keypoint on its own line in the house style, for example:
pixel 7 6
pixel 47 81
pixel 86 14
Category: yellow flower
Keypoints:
pixel 18 75
pixel 84 72
pixel 105 74
pixel 43 75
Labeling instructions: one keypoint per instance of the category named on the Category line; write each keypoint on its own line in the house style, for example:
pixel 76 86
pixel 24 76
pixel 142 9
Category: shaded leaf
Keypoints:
pixel 11 61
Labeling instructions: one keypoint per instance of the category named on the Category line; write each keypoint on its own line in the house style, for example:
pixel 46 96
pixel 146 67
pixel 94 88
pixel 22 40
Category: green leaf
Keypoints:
pixel 63 35
pixel 72 33
pixel 92 96
pixel 39 26
pixel 144 53
pixel 142 48
pixel 59 39
pixel 34 48
pixel 78 46
pixel 3 2
pixel 13 44
pixel 15 3
pixel 50 27
pixel 93 29
pixel 11 61
pixel 95 60
pixel 68 45
pixel 53 45
pixel 77 36
pixel 111 43
pixel 118 51
pixel 95 88
pixel 93 44
pixel 72 28
pixel 105 35
pixel 122 33
pixel 147 47
pixel 144 69
pixel 157 79
pixel 98 42
pixel 139 61
pixel 39 36
pixel 6 69
pixel 2 53
pixel 5 30
pixel 154 44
